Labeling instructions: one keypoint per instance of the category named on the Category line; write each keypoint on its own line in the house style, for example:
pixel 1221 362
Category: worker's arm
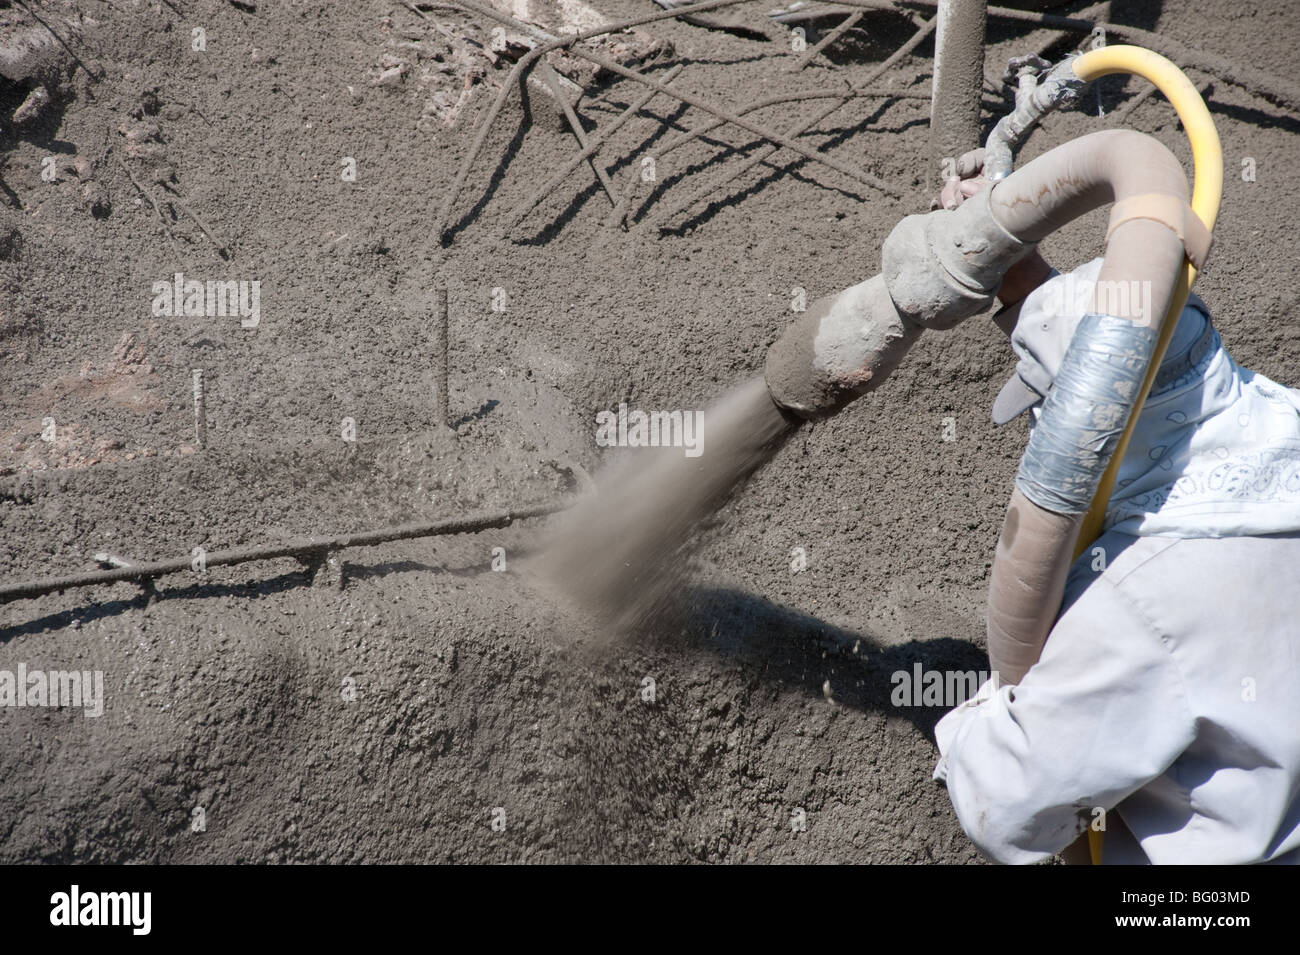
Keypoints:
pixel 1023 277
pixel 1101 714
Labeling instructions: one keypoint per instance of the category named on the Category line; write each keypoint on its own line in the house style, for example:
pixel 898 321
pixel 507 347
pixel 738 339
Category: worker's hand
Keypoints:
pixel 1027 274
pixel 968 180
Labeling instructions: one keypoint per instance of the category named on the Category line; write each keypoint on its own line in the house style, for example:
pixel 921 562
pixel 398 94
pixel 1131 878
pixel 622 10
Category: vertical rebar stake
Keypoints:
pixel 200 410
pixel 442 361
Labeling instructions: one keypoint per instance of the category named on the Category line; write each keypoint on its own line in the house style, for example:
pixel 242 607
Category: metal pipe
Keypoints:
pixel 958 78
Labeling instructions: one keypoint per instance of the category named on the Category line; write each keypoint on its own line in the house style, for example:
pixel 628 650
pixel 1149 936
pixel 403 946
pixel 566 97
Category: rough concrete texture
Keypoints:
pixel 387 721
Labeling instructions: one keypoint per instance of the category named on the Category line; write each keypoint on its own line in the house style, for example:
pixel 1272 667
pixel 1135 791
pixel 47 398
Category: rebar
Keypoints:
pixel 687 98
pixel 575 126
pixel 844 26
pixel 552 43
pixel 602 137
pixel 1276 90
pixel 462 174
pixel 803 125
pixel 310 547
pixel 620 213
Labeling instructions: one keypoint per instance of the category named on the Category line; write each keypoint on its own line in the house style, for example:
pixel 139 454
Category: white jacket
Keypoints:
pixel 1168 692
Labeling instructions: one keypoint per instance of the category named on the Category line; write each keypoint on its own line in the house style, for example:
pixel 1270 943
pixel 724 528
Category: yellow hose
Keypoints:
pixel 1207 191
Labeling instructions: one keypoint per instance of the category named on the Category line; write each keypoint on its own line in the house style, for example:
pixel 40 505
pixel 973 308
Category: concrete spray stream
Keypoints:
pixel 622 550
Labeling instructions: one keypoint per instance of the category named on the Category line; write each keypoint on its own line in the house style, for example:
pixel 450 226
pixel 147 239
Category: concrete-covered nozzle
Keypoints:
pixel 938 269
pixel 843 346
pixel 944 267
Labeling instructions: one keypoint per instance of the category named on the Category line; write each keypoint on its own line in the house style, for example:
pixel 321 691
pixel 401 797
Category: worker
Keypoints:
pixel 1164 710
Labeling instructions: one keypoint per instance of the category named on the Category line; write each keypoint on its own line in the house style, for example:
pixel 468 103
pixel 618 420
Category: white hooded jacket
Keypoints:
pixel 1168 693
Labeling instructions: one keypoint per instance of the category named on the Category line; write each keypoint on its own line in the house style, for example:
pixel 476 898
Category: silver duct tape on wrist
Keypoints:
pixel 1085 413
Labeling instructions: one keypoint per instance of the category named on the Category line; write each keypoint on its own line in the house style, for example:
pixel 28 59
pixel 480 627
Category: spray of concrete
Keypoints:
pixel 625 549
